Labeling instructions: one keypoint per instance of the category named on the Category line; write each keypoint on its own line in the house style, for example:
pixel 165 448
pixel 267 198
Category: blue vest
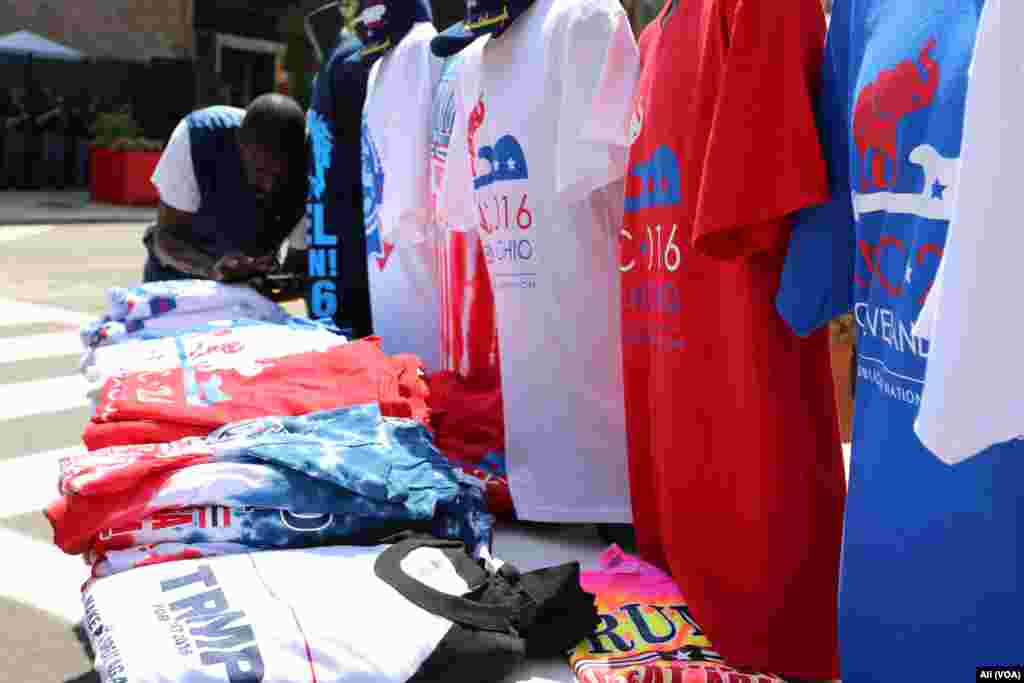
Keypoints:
pixel 229 217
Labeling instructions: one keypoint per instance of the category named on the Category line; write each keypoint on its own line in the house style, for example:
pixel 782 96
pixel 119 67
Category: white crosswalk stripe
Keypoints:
pixel 35 346
pixel 36 572
pixel 21 313
pixel 17 232
pixel 40 575
pixel 28 483
pixel 53 395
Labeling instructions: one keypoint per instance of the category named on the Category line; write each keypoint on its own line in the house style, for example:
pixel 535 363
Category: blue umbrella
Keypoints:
pixel 28 44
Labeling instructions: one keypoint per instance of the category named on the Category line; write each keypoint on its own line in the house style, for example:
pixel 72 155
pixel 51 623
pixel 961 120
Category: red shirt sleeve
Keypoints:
pixel 763 159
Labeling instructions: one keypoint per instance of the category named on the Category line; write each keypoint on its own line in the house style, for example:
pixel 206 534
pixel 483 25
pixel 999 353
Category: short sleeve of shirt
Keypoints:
pixel 175 177
pixel 817 279
pixel 763 159
pixel 599 65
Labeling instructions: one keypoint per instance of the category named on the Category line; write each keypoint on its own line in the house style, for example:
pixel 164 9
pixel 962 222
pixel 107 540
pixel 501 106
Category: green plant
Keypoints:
pixel 111 126
pixel 136 145
pixel 641 12
pixel 119 131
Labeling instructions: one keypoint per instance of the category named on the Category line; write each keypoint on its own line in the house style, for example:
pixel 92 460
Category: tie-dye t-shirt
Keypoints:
pixel 362 470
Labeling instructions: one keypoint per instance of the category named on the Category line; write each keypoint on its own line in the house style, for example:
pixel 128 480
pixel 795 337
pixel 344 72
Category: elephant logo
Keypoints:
pixel 934 201
pixel 506 158
pixel 659 179
pixel 908 87
pixel 507 161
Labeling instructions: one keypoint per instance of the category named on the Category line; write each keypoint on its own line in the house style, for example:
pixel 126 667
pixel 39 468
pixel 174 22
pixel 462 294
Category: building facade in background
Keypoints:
pixel 234 45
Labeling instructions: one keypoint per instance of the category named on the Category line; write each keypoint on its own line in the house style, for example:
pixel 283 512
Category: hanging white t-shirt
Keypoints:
pixel 396 197
pixel 973 396
pixel 549 103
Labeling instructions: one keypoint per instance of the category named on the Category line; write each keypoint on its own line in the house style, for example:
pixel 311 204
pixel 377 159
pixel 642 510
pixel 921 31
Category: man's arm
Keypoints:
pixel 169 241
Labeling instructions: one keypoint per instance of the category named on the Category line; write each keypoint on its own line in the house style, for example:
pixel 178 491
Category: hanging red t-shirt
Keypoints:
pixel 469 329
pixel 465 397
pixel 736 468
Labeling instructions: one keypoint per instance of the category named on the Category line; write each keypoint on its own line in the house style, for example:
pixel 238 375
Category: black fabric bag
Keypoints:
pixel 507 617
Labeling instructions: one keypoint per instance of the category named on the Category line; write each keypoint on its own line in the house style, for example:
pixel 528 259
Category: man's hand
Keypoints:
pixel 238 266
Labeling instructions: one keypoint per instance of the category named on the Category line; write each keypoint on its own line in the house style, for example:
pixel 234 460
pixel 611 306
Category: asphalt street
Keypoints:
pixel 52 278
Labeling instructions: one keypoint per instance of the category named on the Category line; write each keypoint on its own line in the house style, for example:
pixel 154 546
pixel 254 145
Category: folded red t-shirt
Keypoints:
pixel 350 374
pixel 467 416
pixel 99 435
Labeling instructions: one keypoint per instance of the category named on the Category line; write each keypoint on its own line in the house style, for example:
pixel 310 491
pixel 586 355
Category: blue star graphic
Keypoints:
pixel 937 190
pixel 643 248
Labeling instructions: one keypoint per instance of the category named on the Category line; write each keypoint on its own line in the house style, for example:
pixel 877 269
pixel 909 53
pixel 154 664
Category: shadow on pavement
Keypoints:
pixel 83 640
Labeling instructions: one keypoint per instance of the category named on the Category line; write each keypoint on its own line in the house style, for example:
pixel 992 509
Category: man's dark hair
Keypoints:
pixel 275 121
pixel 278 123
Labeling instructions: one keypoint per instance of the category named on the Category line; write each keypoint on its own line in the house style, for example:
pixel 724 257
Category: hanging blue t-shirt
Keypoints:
pixel 931 556
pixel 339 287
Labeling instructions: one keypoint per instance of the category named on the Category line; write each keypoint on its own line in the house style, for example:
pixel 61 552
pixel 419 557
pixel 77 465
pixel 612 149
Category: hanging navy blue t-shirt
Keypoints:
pixel 336 241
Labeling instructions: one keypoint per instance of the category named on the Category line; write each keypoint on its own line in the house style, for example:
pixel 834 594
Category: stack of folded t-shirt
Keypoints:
pixel 129 351
pixel 153 308
pixel 219 421
pixel 349 475
pixel 196 385
pixel 193 327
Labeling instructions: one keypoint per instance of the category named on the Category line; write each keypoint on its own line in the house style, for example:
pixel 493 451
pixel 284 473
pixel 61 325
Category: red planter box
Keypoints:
pixel 122 177
pixel 102 181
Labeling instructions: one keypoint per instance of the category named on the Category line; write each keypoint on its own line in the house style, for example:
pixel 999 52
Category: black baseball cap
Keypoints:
pixel 380 24
pixel 482 17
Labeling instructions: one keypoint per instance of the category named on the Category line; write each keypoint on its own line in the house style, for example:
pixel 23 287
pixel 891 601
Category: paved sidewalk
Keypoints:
pixel 42 207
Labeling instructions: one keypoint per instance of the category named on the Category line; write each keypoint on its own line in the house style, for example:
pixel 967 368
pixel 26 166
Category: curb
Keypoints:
pixel 75 220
